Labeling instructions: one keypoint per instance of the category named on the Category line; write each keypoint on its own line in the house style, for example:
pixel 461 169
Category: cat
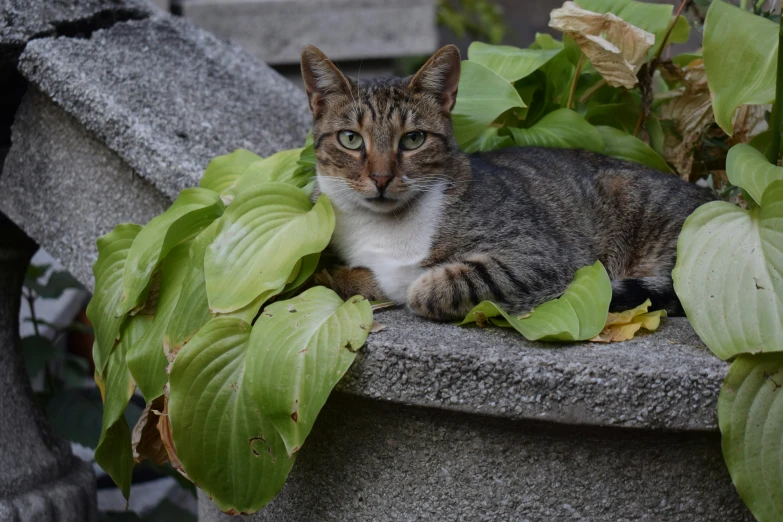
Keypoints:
pixel 425 225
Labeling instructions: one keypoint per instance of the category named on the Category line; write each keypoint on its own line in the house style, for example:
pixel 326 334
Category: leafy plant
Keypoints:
pixel 185 303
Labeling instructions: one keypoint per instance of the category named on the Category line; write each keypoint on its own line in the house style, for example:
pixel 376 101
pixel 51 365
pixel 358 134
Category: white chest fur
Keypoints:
pixel 392 247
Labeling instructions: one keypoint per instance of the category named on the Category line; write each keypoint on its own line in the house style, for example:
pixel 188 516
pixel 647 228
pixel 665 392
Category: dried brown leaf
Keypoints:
pixel 622 326
pixel 377 327
pixel 749 121
pixel 167 437
pixel 616 48
pixel 146 439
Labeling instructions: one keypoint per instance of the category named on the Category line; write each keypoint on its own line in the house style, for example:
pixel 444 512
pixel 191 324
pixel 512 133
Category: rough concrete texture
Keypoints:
pixel 65 188
pixel 167 97
pixel 667 379
pixel 40 479
pixel 276 31
pixel 25 20
pixel 368 461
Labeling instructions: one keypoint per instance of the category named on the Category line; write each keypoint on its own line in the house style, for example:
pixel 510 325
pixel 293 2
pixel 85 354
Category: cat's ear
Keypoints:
pixel 321 77
pixel 440 76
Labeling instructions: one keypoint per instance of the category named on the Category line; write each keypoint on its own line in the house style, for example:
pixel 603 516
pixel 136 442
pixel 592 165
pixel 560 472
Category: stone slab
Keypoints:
pixel 25 20
pixel 167 97
pixel 368 461
pixel 276 30
pixel 664 380
pixel 65 188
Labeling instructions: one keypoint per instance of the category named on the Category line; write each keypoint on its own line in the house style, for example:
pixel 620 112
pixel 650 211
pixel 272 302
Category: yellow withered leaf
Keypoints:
pixel 623 326
pixel 616 48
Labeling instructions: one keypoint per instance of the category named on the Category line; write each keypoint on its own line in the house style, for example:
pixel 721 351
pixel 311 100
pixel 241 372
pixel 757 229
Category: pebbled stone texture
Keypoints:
pixel 167 97
pixel 369 461
pixel 25 20
pixel 664 380
pixel 66 188
pixel 40 479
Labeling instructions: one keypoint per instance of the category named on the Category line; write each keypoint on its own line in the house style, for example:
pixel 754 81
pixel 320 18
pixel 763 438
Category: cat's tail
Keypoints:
pixel 630 293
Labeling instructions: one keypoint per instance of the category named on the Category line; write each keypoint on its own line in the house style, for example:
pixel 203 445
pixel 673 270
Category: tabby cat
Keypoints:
pixel 423 224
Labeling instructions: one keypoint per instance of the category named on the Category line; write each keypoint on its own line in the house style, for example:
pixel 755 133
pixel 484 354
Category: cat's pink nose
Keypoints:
pixel 381 180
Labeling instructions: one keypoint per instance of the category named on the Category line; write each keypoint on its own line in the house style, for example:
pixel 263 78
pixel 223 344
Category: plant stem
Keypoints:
pixel 572 92
pixel 777 107
pixel 744 5
pixel 30 298
pixel 592 90
pixel 666 36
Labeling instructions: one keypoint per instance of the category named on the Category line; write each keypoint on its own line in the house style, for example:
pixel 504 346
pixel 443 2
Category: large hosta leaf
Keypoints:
pixel 265 231
pixel 299 350
pixel 483 95
pixel 194 210
pixel 579 314
pixel 114 453
pixel 487 140
pixel 510 63
pixel 113 251
pixel 192 310
pixel 748 168
pixel 750 414
pixel 623 145
pixel 562 129
pixel 740 52
pixel 146 358
pixel 223 171
pixel 282 166
pixel 226 445
pixel 729 274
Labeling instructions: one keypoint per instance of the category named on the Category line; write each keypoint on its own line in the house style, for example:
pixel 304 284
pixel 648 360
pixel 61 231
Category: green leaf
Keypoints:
pixel 748 168
pixel 194 210
pixel 623 145
pixel 579 314
pixel 729 274
pixel 750 414
pixel 681 32
pixel 223 171
pixel 146 357
pixel 58 282
pixel 262 235
pixel 562 128
pixel 282 166
pixel 655 132
pixel 192 309
pixel 510 63
pixel 37 350
pixel 306 270
pixel 487 140
pixel 299 350
pixel 114 453
pixel 740 50
pixel 226 445
pixel 482 97
pixel 618 115
pixel 113 250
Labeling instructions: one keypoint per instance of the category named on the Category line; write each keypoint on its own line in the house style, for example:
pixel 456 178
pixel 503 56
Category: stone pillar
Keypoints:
pixel 40 479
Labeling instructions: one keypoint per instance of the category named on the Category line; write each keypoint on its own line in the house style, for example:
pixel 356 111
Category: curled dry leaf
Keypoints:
pixel 616 48
pixel 749 121
pixel 145 439
pixel 167 436
pixel 377 327
pixel 690 108
pixel 623 326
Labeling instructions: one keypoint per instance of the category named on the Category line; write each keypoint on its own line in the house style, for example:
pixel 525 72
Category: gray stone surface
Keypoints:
pixel 368 461
pixel 40 479
pixel 66 188
pixel 167 97
pixel 663 380
pixel 276 30
pixel 24 20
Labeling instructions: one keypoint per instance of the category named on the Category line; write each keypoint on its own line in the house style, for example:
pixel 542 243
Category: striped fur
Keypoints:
pixel 441 231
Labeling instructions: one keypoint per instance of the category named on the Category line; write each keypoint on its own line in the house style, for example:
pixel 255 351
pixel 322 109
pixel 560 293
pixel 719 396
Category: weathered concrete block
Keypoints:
pixel 167 97
pixel 276 30
pixel 24 20
pixel 103 141
pixel 369 461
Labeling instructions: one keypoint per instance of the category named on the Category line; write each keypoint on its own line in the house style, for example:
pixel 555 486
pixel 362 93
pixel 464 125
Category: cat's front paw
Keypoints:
pixel 348 282
pixel 438 294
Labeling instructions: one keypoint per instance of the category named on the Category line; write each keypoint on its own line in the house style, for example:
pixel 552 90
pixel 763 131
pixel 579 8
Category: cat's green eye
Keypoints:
pixel 350 139
pixel 412 140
